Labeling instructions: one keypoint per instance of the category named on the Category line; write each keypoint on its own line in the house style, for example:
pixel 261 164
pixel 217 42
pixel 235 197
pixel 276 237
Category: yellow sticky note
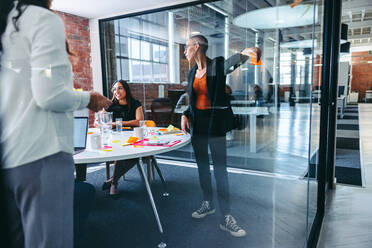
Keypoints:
pixel 107 150
pixel 125 144
pixel 178 134
pixel 170 128
pixel 115 141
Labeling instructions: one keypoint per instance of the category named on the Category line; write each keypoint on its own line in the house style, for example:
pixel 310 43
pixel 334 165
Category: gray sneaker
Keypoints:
pixel 205 209
pixel 230 225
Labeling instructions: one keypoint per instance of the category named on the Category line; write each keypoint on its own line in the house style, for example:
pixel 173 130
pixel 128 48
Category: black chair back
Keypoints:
pixel 162 110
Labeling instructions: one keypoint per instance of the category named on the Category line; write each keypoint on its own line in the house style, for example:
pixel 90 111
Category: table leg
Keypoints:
pixel 252 133
pixel 81 172
pixel 108 170
pixel 144 178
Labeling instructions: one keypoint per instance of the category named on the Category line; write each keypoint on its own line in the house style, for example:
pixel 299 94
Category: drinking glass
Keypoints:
pixel 106 119
pixel 119 124
pixel 97 119
pixel 143 125
pixel 106 127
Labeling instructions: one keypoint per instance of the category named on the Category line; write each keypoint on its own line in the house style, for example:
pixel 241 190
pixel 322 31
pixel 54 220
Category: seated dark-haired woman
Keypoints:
pixel 130 110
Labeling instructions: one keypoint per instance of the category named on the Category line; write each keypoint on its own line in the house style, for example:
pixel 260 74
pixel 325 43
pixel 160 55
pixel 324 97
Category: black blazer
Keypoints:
pixel 217 69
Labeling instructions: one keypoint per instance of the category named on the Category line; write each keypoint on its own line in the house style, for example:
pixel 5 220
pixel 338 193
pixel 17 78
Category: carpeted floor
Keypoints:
pixel 348 168
pixel 263 206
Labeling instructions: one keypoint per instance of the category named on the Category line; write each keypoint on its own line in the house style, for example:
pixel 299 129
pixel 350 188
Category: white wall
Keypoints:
pixel 95 55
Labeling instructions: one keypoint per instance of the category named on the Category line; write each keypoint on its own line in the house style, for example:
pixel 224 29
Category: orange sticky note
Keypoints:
pixel 254 61
pixel 132 139
pixel 137 146
pixel 150 123
pixel 90 132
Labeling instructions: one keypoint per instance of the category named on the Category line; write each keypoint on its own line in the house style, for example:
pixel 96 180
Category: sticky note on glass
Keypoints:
pixel 107 147
pixel 254 61
pixel 107 150
pixel 125 144
pixel 115 141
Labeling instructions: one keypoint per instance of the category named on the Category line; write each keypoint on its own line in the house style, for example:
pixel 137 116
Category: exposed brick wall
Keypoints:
pixel 361 72
pixel 150 92
pixel 78 37
pixel 317 71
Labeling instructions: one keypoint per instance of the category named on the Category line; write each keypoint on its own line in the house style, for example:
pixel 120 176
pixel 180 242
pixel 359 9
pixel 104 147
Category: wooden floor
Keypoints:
pixel 348 218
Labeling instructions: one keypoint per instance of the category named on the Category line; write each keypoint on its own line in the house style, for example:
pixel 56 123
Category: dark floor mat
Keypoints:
pixel 348 117
pixel 347 143
pixel 347 127
pixel 347 175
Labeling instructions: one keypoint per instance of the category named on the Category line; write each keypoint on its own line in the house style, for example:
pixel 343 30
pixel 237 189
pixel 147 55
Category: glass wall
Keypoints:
pixel 272 151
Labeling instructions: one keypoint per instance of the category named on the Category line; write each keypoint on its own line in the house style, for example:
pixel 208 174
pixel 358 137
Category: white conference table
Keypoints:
pixel 242 102
pixel 252 112
pixel 120 152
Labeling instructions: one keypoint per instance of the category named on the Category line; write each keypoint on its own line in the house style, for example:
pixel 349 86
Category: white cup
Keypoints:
pixel 95 141
pixel 138 132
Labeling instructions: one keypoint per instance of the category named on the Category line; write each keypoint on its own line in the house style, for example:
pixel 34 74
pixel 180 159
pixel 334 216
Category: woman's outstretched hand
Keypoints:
pixel 254 52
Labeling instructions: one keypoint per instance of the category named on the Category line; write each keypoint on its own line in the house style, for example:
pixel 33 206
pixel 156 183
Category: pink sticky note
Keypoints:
pixel 107 147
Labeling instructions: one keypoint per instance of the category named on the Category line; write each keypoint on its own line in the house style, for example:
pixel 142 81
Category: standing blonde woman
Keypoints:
pixel 209 117
pixel 36 109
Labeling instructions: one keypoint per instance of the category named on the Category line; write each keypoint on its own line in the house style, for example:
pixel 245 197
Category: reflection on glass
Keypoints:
pixel 277 118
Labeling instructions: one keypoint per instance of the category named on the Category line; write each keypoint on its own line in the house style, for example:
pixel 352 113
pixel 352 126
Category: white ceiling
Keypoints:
pixel 107 8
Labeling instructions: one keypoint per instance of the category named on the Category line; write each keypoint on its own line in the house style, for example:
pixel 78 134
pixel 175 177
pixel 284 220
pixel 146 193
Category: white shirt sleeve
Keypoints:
pixel 51 76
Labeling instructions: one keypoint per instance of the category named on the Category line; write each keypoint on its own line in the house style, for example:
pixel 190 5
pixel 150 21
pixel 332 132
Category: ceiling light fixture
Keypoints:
pixel 278 17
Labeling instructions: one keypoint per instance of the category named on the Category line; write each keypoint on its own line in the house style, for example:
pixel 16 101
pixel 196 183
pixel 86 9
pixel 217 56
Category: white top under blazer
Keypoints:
pixel 36 89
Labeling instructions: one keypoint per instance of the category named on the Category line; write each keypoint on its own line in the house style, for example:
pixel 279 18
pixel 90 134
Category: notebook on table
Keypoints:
pixel 80 134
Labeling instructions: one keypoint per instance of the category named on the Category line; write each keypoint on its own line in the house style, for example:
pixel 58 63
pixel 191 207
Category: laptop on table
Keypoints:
pixel 80 134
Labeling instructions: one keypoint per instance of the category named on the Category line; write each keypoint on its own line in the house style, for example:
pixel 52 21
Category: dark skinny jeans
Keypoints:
pixel 200 140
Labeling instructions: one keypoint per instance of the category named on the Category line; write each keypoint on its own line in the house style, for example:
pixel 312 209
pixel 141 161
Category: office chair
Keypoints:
pixel 162 111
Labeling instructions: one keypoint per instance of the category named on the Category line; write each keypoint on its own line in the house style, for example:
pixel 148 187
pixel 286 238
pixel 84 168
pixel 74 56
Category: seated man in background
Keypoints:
pixel 184 98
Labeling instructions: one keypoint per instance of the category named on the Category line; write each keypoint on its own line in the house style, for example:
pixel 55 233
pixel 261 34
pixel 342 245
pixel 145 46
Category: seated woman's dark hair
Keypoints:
pixel 128 95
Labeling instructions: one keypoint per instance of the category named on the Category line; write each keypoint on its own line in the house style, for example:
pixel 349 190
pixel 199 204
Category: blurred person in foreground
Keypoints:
pixel 209 117
pixel 36 108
